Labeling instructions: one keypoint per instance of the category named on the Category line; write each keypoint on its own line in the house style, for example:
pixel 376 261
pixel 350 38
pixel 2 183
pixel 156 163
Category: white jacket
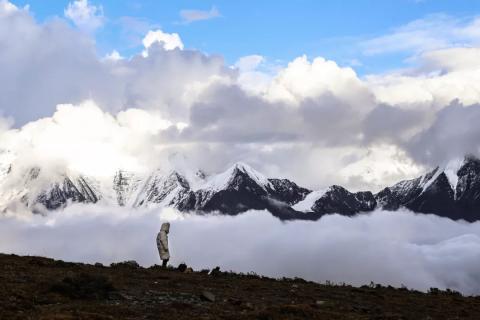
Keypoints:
pixel 162 241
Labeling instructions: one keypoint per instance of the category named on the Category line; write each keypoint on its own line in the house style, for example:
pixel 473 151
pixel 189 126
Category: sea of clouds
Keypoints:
pixel 396 248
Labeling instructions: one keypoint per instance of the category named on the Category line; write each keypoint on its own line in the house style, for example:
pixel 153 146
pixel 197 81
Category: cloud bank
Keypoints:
pixel 397 248
pixel 310 120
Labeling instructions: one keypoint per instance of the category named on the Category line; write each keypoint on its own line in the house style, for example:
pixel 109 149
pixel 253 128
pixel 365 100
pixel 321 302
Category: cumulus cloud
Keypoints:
pixel 450 60
pixel 189 16
pixel 295 120
pixel 84 15
pixel 419 251
pixel 168 41
pixel 7 7
pixel 440 77
pixel 68 70
pixel 123 140
pixel 114 56
pixel 252 77
pixel 303 79
pixel 454 132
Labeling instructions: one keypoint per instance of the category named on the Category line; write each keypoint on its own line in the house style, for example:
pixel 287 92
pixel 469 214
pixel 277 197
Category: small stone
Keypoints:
pixel 208 296
pixel 129 264
pixel 182 267
pixel 215 271
pixel 132 263
pixel 320 302
pixel 294 285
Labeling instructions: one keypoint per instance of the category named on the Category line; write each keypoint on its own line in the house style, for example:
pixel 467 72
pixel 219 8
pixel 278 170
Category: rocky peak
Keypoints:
pixel 339 200
pixel 287 191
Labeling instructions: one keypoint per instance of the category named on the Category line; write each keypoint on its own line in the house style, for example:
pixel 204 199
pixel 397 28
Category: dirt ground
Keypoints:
pixel 41 288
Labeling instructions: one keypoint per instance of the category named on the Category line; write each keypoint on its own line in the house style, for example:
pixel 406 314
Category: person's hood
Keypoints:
pixel 165 227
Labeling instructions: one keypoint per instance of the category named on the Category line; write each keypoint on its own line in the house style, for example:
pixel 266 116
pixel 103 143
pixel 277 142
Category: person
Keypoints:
pixel 162 243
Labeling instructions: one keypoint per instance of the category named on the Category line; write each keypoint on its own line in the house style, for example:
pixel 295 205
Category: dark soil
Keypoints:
pixel 41 288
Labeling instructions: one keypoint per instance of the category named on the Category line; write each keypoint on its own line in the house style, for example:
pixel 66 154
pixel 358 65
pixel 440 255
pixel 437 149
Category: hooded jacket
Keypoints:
pixel 162 241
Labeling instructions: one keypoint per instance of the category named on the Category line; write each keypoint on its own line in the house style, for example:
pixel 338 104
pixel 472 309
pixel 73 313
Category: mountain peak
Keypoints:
pixel 225 179
pixel 259 178
pixel 452 190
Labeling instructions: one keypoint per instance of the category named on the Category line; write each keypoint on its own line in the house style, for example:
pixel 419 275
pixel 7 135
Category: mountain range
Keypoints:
pixel 452 192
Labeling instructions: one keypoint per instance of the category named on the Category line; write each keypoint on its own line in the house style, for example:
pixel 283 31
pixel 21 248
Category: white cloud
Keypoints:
pixel 441 77
pixel 295 120
pixel 378 166
pixel 189 16
pixel 433 32
pixel 249 63
pixel 6 6
pixel 419 251
pixel 73 134
pixel 85 16
pixel 114 56
pixel 450 60
pixel 303 79
pixel 251 78
pixel 168 41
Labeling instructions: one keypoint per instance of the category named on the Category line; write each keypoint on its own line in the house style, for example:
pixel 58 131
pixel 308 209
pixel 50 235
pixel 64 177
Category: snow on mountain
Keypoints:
pixel 339 200
pixel 40 191
pixel 451 171
pixel 6 161
pixel 452 191
pixel 226 179
pixel 125 185
pixel 306 204
pixel 162 190
pixel 427 180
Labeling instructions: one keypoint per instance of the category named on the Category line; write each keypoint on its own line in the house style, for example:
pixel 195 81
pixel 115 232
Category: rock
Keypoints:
pixel 208 296
pixel 188 270
pixel 320 302
pixel 182 267
pixel 99 265
pixel 215 271
pixel 132 263
pixel 129 264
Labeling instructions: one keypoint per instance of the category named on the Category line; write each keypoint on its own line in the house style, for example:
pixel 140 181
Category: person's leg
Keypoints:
pixel 164 263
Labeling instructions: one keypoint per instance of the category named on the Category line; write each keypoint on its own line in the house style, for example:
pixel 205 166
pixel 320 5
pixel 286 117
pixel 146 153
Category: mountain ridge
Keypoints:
pixel 452 192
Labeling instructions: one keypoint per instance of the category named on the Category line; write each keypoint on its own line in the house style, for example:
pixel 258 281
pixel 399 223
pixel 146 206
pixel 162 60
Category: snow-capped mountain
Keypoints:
pixel 125 185
pixel 337 199
pixel 452 191
pixel 39 193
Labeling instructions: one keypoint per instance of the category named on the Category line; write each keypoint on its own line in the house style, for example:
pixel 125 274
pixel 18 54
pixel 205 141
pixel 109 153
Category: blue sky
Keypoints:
pixel 278 30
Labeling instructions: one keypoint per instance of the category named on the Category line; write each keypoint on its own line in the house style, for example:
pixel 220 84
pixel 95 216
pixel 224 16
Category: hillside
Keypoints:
pixel 41 288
